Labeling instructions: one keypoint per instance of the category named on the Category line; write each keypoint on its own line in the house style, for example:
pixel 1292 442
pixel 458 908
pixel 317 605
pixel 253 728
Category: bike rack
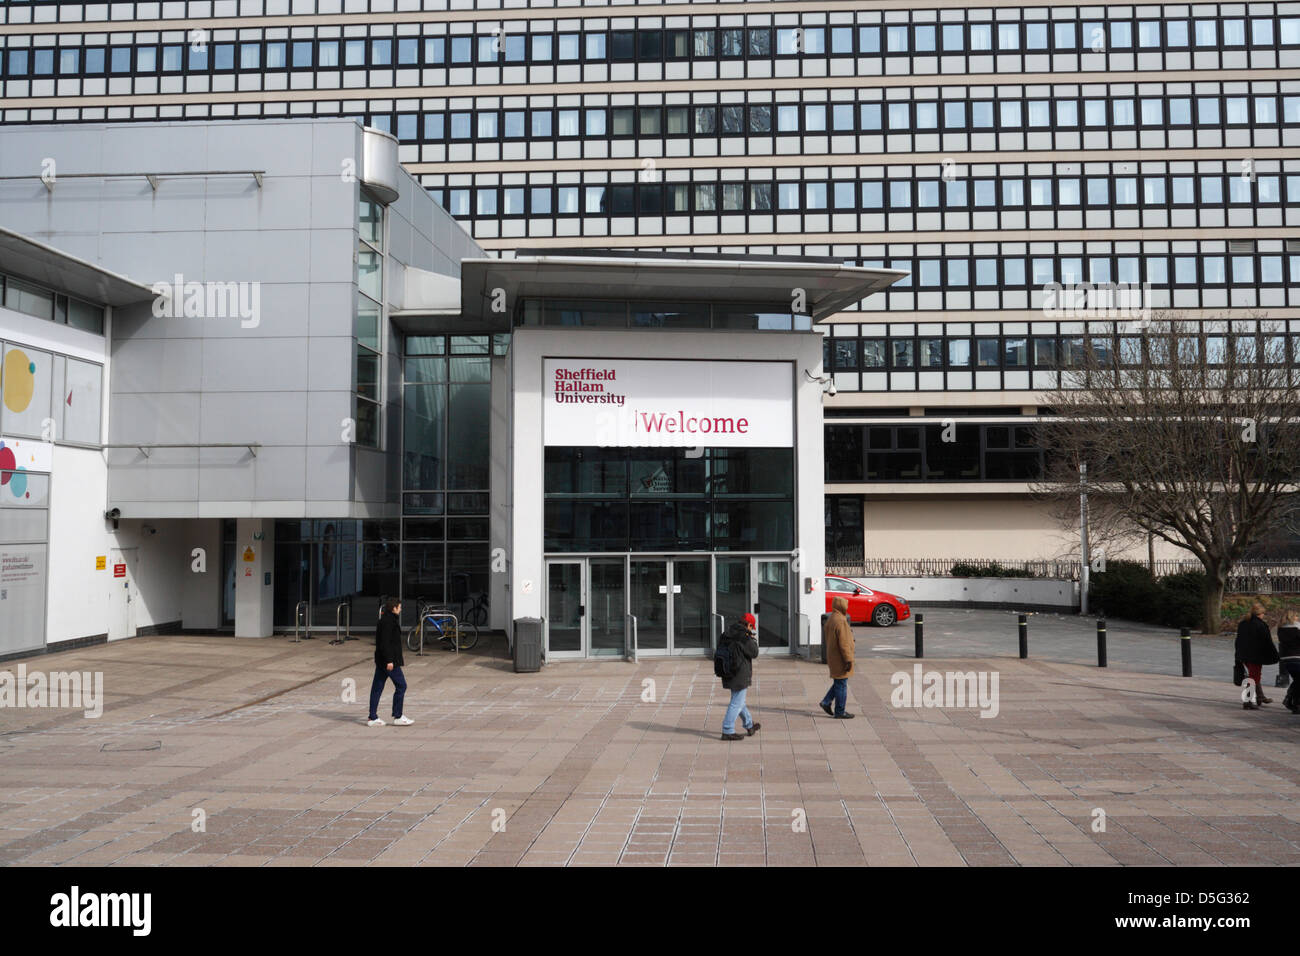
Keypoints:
pixel 301 616
pixel 722 626
pixel 342 623
pixel 631 632
pixel 455 624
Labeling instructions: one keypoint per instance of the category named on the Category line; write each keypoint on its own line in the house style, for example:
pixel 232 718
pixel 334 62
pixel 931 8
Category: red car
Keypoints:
pixel 866 605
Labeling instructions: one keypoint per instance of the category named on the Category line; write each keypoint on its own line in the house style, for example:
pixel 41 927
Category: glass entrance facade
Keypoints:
pixel 661 605
pixel 657 549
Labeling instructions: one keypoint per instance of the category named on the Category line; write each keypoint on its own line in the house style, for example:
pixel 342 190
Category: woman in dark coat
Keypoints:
pixel 739 639
pixel 1255 648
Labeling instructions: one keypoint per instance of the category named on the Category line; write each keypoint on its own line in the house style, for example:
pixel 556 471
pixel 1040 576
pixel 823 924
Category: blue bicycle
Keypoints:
pixel 436 623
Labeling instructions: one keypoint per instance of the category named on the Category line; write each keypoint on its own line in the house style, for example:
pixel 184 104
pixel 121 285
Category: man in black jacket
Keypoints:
pixel 744 648
pixel 388 663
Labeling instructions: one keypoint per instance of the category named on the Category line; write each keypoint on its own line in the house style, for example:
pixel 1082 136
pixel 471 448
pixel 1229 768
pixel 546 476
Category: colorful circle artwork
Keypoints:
pixel 19 380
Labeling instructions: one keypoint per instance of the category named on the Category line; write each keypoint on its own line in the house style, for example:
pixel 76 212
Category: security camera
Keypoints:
pixel 112 515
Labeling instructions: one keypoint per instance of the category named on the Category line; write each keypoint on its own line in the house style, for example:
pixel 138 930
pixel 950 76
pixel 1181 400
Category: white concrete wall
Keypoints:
pixel 79 594
pixel 1001 529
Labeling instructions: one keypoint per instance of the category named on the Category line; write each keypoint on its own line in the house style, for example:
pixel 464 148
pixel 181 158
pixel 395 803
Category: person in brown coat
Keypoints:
pixel 839 657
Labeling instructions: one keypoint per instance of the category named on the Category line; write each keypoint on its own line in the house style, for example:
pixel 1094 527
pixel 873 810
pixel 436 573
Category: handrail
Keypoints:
pixel 252 446
pixel 342 622
pixel 722 626
pixel 631 632
pixel 301 615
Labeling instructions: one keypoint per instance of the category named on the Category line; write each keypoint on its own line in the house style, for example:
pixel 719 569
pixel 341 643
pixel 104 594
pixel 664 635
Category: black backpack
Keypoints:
pixel 724 661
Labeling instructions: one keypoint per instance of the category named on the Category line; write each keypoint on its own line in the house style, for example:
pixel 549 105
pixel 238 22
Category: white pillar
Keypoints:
pixel 254 590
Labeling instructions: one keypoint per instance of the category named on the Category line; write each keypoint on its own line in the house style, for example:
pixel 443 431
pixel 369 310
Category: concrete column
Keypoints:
pixel 254 559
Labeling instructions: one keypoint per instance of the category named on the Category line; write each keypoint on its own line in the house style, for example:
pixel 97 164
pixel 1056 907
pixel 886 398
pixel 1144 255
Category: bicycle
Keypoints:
pixel 445 626
pixel 475 609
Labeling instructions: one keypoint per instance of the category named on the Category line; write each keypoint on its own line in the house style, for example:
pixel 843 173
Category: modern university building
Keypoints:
pixel 989 154
pixel 254 376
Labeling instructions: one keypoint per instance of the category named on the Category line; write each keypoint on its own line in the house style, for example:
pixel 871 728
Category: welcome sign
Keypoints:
pixel 641 402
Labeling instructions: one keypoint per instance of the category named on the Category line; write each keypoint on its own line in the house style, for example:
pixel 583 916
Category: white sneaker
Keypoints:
pixel 375 723
pixel 403 721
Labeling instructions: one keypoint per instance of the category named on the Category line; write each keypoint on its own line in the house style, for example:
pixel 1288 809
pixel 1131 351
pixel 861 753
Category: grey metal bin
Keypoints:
pixel 528 645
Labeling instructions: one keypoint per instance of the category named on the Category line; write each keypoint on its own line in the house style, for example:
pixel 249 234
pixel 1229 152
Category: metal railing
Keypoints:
pixel 1257 577
pixel 301 621
pixel 342 623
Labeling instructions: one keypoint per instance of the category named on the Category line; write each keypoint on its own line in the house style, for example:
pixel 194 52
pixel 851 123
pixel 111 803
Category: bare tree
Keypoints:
pixel 1189 433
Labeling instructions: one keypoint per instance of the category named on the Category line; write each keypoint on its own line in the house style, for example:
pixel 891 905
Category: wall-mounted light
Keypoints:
pixel 827 383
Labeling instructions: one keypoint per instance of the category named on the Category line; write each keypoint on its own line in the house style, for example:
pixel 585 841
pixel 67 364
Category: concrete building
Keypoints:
pixel 255 377
pixel 988 152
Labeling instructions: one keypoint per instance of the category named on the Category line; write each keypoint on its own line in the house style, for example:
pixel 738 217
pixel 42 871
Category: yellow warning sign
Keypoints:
pixel 101 562
pixel 248 554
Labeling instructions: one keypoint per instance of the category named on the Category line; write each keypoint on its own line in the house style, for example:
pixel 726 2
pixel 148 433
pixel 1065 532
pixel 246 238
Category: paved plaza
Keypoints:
pixel 252 739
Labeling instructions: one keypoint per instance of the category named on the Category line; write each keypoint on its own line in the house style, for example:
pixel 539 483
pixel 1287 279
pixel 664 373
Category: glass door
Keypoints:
pixel 648 589
pixel 606 612
pixel 566 612
pixel 689 597
pixel 733 595
pixel 770 592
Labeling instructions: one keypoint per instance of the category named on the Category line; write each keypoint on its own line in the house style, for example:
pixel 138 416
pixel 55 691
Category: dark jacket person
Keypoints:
pixel 1254 648
pixel 388 664
pixel 744 648
pixel 1288 652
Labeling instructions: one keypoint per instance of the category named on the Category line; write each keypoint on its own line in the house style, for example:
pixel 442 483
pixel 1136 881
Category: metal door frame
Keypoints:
pixel 790 603
pixel 584 630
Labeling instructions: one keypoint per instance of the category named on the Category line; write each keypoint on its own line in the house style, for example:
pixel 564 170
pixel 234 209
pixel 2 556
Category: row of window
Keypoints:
pixel 32 299
pixel 949 116
pixel 932 452
pixel 1036 272
pixel 654 45
pixel 43 11
pixel 367 321
pixel 1053 352
pixel 874 195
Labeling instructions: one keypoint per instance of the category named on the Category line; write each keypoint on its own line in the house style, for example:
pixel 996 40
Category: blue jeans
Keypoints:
pixel 737 706
pixel 382 673
pixel 839 693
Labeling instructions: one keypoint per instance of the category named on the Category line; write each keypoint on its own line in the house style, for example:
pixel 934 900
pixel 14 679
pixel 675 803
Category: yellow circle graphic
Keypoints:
pixel 19 381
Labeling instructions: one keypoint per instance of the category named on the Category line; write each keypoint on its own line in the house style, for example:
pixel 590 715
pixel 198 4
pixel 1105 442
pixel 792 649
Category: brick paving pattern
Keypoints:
pixel 572 767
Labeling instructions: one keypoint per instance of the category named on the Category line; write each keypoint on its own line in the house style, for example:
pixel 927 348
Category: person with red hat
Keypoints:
pixel 734 664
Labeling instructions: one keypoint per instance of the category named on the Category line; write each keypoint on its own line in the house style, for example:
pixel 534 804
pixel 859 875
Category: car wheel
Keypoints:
pixel 884 615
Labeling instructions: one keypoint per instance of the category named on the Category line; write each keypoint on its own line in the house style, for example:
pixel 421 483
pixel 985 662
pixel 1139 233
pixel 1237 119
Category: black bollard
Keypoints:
pixel 920 634
pixel 1186 635
pixel 1024 636
pixel 1101 642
